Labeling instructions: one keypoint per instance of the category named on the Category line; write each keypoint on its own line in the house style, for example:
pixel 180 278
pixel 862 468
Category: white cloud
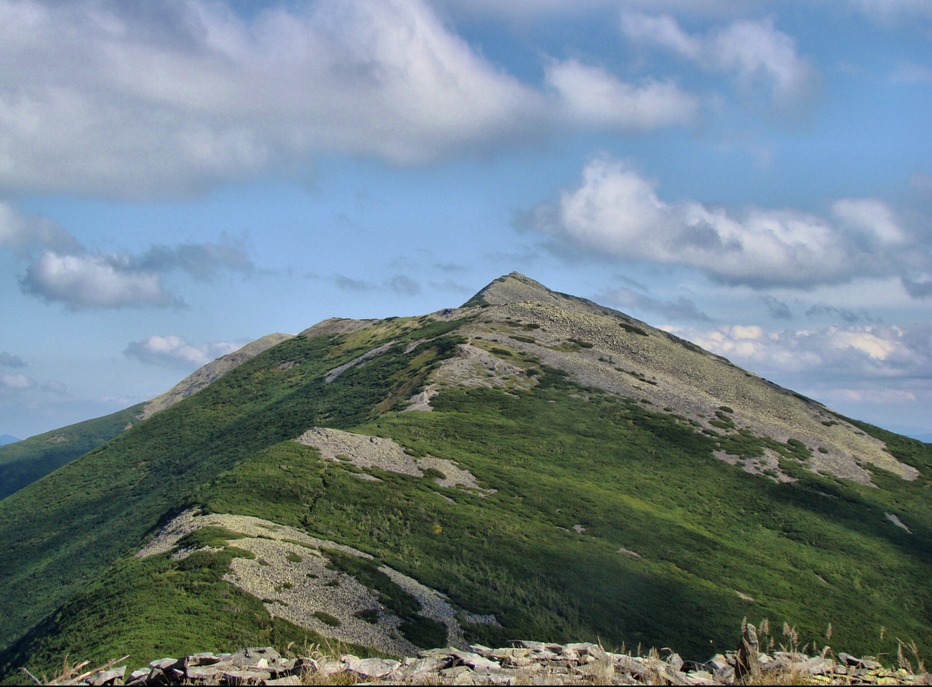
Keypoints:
pixel 617 211
pixel 121 101
pixel 592 95
pixel 22 234
pixel 878 353
pixel 96 280
pixel 754 51
pixel 61 270
pixel 99 91
pixel 16 382
pixel 175 351
pixel 872 220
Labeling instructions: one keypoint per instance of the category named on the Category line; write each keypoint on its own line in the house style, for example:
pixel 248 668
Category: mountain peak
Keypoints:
pixel 513 288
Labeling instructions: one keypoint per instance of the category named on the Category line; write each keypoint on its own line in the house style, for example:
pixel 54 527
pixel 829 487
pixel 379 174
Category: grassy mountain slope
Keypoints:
pixel 26 461
pixel 33 458
pixel 628 487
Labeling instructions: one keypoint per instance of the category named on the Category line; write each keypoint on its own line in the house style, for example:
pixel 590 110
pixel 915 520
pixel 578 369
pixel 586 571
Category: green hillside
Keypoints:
pixel 537 503
pixel 26 461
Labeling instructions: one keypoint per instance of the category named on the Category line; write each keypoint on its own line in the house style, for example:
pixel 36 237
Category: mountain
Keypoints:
pixel 33 458
pixel 528 465
pixel 7 439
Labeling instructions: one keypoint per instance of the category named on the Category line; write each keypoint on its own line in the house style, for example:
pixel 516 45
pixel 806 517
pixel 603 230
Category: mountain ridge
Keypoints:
pixel 530 456
pixel 31 459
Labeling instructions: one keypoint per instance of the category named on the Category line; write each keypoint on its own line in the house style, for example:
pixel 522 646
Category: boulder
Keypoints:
pixel 107 677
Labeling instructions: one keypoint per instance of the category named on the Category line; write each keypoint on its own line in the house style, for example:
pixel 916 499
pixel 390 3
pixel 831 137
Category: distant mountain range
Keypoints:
pixel 527 465
pixel 7 439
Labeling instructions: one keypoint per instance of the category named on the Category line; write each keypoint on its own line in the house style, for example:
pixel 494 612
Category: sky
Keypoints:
pixel 180 178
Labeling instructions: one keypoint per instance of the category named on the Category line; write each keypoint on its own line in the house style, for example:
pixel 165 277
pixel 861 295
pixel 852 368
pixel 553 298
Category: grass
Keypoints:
pixel 26 461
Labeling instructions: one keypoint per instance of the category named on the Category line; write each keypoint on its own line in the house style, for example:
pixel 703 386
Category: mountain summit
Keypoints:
pixel 529 464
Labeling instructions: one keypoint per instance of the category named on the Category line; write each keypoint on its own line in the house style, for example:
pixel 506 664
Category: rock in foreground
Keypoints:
pixel 523 663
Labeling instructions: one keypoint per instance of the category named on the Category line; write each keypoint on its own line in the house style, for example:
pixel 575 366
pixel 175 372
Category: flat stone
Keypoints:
pixel 475 661
pixel 156 678
pixel 331 667
pixel 428 664
pixel 164 663
pixel 527 644
pixel 286 681
pixel 206 673
pixel 142 672
pixel 372 667
pixel 455 671
pixel 106 677
pixel 202 659
pixel 817 666
pixel 246 676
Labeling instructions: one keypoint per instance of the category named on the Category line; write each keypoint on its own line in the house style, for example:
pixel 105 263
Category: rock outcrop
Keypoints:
pixel 523 663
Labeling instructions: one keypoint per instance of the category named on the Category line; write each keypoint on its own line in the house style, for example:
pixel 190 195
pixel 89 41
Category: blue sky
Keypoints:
pixel 179 178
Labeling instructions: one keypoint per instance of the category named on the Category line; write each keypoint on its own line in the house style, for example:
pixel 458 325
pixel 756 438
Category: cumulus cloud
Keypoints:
pixel 754 51
pixel 880 353
pixel 176 351
pixel 616 211
pixel 111 87
pixel 93 281
pixel 83 280
pixel 124 101
pixel 592 95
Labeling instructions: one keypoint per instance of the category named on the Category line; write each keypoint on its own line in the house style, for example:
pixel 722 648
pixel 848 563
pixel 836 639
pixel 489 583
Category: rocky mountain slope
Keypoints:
pixel 527 465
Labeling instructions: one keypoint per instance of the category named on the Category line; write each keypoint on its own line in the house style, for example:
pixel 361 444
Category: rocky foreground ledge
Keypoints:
pixel 523 663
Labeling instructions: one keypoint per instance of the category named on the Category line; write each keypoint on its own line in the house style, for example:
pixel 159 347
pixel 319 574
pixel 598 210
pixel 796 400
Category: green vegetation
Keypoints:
pixel 632 328
pixel 156 607
pixel 606 463
pixel 116 495
pixel 327 619
pixel 26 461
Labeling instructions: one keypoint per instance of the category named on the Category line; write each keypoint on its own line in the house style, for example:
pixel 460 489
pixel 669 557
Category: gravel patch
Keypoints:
pixel 289 573
pixel 366 452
